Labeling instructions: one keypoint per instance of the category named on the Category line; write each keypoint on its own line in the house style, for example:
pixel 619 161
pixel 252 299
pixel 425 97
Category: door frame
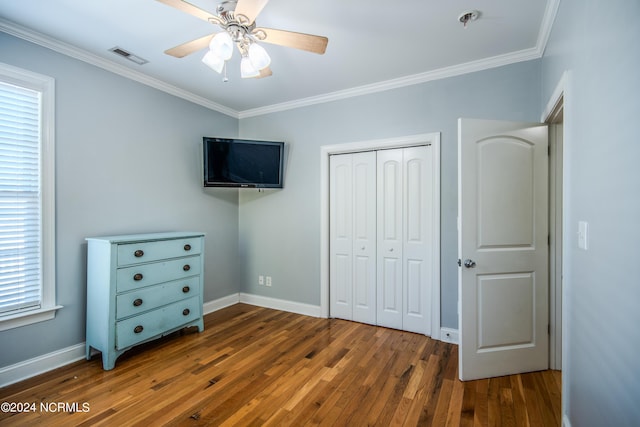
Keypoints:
pixel 554 114
pixel 562 96
pixel 432 139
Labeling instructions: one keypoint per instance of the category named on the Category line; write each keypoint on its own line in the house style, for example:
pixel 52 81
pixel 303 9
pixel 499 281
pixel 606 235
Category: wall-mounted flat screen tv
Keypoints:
pixel 242 163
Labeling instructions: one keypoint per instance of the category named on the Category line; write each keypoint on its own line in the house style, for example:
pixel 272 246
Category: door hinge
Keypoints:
pixel 459 262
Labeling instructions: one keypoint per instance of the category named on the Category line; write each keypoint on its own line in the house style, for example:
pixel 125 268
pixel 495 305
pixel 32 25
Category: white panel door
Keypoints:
pixel 364 237
pixel 390 238
pixel 503 282
pixel 352 236
pixel 418 237
pixel 341 237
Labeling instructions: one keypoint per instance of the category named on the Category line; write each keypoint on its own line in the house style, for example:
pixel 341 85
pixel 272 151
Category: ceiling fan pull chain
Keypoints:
pixel 225 78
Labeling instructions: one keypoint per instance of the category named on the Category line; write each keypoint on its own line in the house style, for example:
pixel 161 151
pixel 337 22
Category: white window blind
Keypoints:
pixel 20 200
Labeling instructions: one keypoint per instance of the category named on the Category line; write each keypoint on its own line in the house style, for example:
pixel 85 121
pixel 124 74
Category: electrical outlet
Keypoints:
pixel 261 280
pixel 268 280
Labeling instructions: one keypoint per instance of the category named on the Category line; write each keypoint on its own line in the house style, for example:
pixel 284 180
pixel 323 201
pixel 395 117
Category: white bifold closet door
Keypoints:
pixel 380 225
pixel 353 236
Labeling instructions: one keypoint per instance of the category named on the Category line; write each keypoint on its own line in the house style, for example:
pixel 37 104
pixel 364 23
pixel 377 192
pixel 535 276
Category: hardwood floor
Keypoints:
pixel 256 366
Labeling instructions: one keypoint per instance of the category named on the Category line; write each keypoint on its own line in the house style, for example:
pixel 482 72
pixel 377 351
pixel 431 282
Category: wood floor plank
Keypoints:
pixel 254 366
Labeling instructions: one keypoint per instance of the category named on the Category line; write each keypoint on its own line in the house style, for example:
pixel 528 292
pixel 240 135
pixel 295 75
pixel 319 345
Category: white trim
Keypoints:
pixel 406 141
pixel 449 335
pixel 279 304
pixel 565 421
pixel 45 86
pixel 220 303
pixel 564 92
pixel 38 365
pixel 547 24
pixel 28 317
pixel 90 58
pixel 556 98
pixel 442 73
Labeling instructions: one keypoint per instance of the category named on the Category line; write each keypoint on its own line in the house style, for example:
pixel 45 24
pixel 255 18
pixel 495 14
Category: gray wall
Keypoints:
pixel 279 230
pixel 127 161
pixel 598 42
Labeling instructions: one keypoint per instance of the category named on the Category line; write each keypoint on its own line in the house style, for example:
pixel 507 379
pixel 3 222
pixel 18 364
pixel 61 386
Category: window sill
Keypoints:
pixel 28 317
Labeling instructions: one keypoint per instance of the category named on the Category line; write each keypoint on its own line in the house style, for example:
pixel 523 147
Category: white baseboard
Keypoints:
pixel 449 335
pixel 38 365
pixel 565 421
pixel 220 303
pixel 279 304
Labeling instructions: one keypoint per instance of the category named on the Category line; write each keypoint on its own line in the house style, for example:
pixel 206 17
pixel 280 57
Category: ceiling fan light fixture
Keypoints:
pixel 258 56
pixel 222 45
pixel 247 70
pixel 213 61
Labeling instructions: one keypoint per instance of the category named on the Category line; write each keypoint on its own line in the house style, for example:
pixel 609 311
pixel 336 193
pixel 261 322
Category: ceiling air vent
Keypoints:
pixel 128 55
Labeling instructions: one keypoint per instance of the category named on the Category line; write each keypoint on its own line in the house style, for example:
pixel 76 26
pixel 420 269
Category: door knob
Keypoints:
pixel 469 263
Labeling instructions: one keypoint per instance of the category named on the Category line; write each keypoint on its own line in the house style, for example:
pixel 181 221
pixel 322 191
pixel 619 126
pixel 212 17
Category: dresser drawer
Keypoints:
pixel 145 299
pixel 139 328
pixel 136 253
pixel 142 275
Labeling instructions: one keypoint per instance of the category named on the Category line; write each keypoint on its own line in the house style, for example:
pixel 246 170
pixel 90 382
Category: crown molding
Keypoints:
pixel 442 73
pixel 90 58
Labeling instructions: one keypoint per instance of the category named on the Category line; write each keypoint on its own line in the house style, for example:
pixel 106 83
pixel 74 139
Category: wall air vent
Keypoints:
pixel 128 55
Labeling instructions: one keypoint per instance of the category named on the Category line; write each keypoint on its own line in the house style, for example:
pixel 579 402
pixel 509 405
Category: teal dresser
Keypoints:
pixel 141 287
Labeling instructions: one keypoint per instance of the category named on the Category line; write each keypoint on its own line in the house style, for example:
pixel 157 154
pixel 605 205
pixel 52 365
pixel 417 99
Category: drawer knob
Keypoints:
pixel 137 277
pixel 137 302
pixel 138 253
pixel 185 312
pixel 186 267
pixel 187 247
pixel 138 329
pixel 186 289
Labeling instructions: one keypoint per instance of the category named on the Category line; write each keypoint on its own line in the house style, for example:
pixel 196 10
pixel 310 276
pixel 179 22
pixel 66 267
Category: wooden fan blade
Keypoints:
pixel 187 48
pixel 192 10
pixel 265 72
pixel 250 9
pixel 308 42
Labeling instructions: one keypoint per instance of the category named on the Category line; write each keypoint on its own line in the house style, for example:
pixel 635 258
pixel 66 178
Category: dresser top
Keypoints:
pixel 147 237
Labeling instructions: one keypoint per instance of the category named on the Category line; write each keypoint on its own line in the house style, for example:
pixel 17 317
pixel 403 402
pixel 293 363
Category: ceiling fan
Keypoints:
pixel 236 19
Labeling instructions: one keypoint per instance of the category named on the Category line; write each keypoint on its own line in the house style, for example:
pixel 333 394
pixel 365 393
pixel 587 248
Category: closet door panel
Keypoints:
pixel 364 241
pixel 341 237
pixel 416 240
pixel 390 237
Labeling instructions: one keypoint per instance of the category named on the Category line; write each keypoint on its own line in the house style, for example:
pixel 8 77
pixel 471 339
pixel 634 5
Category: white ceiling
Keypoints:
pixel 372 44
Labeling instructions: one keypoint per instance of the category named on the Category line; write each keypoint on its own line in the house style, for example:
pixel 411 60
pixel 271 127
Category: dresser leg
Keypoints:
pixel 109 360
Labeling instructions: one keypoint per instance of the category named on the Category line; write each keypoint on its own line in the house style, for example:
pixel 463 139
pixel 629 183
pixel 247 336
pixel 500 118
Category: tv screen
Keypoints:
pixel 242 163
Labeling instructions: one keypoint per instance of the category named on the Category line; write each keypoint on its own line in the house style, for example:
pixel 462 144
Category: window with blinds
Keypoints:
pixel 20 200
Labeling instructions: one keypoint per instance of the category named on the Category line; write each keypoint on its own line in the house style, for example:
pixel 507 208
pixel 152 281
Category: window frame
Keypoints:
pixel 45 85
